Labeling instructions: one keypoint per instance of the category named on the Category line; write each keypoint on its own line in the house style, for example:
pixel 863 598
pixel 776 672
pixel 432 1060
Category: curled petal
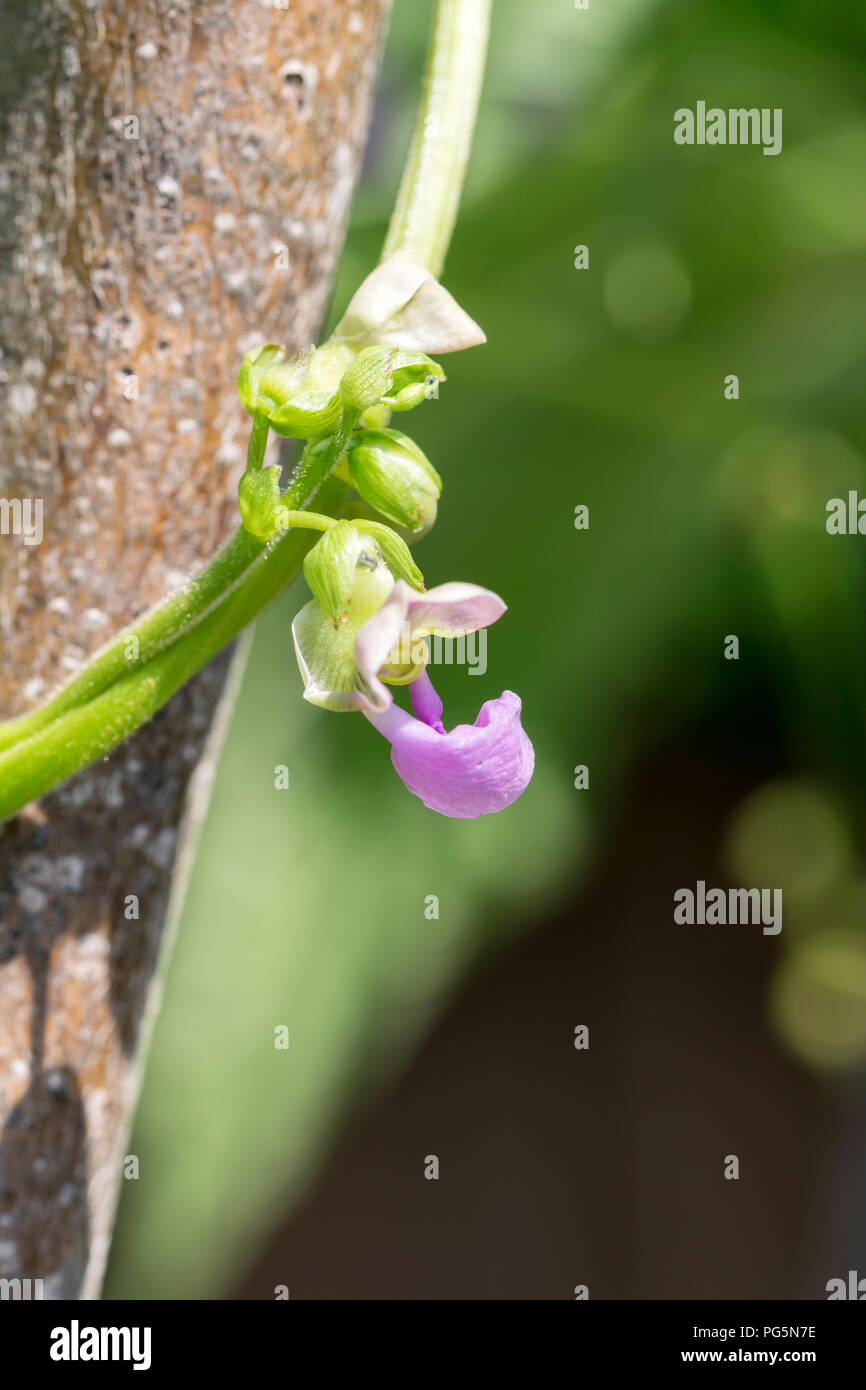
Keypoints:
pixel 402 305
pixel 379 635
pixel 453 609
pixel 470 771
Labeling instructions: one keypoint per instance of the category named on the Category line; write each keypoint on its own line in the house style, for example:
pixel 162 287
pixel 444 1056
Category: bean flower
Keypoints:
pixel 349 664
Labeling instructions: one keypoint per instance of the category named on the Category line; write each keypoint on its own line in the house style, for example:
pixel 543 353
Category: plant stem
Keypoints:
pixel 317 463
pixel 258 441
pixel 426 207
pixel 157 629
pixel 144 638
pixel 83 734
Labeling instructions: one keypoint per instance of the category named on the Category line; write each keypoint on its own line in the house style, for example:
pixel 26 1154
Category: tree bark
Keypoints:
pixel 174 182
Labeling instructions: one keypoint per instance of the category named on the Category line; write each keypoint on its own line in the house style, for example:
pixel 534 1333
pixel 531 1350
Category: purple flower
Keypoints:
pixel 468 771
pixel 465 772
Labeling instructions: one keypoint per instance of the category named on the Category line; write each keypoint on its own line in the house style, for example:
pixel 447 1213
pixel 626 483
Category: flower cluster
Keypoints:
pixel 364 630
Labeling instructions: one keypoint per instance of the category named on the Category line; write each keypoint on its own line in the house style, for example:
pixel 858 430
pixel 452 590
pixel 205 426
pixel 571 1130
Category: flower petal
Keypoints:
pixel 406 616
pixel 402 305
pixel 380 634
pixel 470 771
pixel 453 609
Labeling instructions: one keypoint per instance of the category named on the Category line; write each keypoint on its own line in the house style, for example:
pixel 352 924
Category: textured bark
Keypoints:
pixel 160 161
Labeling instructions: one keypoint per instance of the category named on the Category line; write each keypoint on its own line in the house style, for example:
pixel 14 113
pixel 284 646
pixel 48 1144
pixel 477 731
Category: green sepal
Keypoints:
pixel 395 551
pixel 308 415
pixel 268 378
pixel 325 649
pixel 330 568
pixel 259 501
pixel 253 368
pixel 365 382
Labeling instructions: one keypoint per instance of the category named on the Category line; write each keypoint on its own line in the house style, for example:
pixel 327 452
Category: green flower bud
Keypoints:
pixel 259 501
pixel 397 378
pixel 417 394
pixel 396 478
pixel 415 379
pixel 268 378
pixel 347 574
pixel 296 396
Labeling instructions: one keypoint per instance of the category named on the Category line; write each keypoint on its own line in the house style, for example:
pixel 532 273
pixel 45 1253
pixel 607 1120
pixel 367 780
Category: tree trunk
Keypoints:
pixel 174 182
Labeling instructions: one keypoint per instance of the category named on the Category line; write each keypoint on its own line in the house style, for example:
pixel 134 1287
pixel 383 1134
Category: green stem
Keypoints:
pixel 83 734
pixel 143 639
pixel 318 461
pixel 258 441
pixel 136 644
pixel 426 207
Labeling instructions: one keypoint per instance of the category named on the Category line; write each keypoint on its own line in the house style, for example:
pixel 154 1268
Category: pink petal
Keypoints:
pixel 470 771
pixel 450 610
pixel 454 609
